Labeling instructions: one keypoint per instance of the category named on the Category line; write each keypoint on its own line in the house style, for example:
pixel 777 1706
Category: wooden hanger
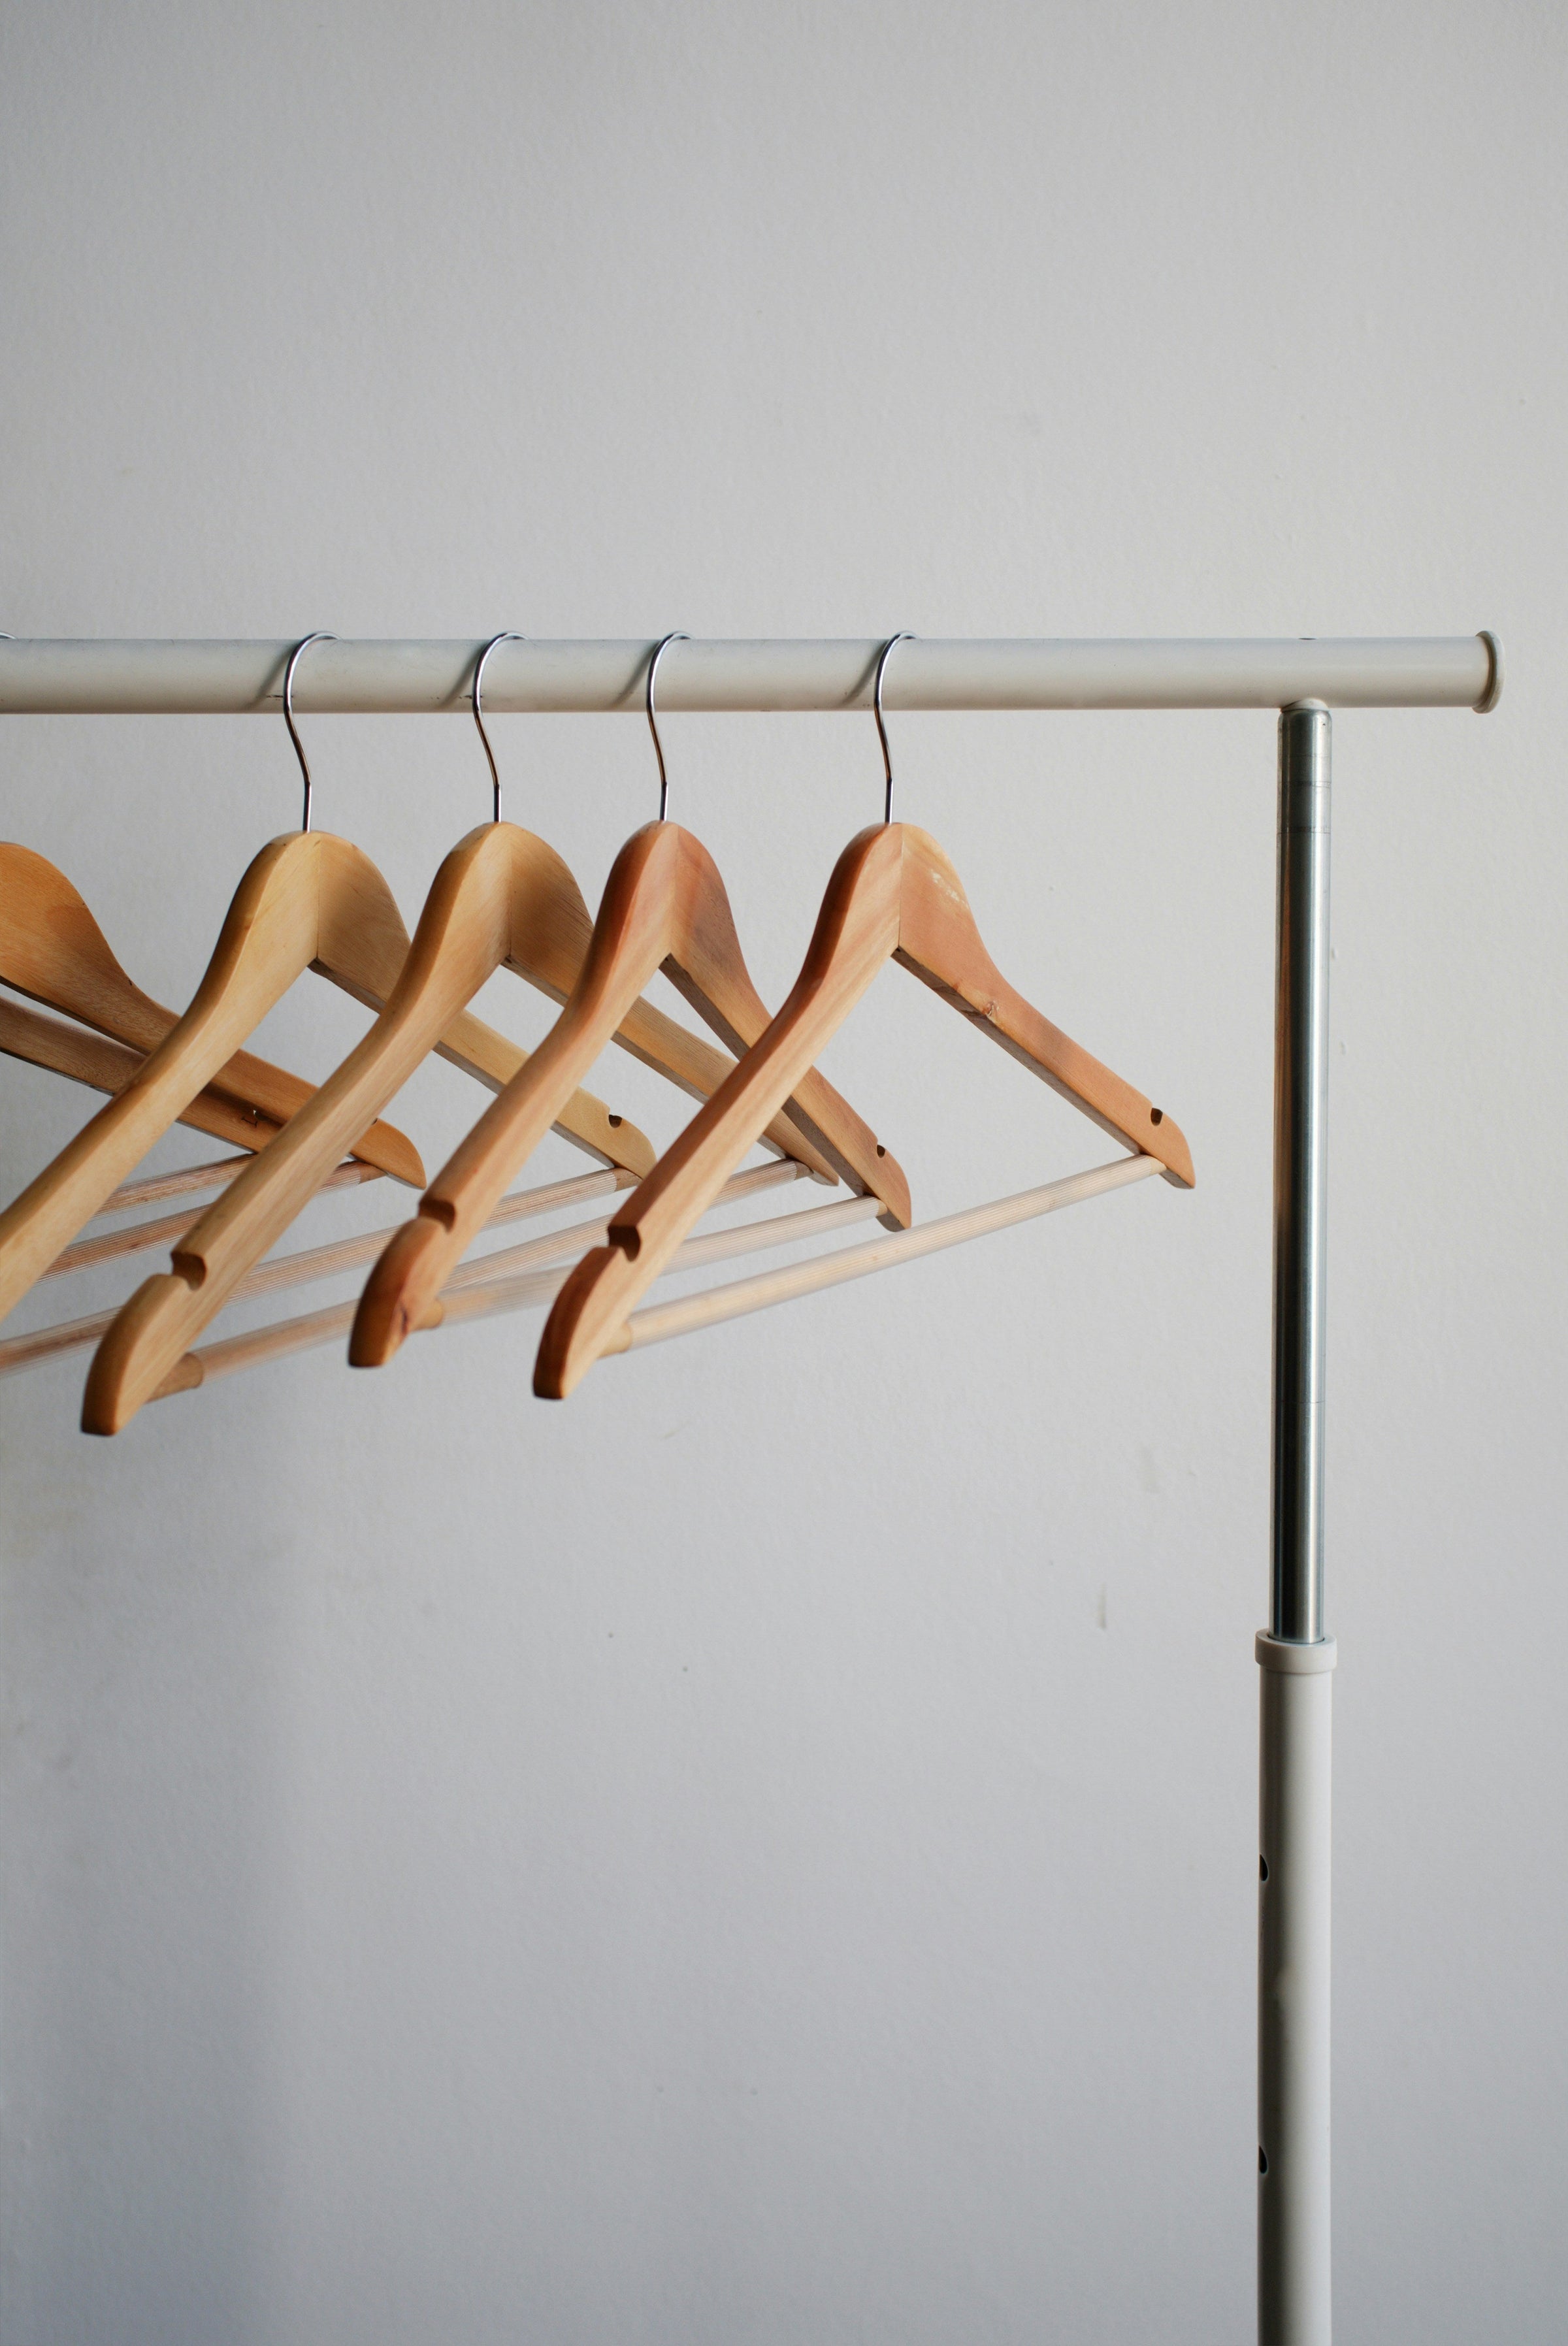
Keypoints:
pixel 502 899
pixel 894 896
pixel 53 951
pixel 665 907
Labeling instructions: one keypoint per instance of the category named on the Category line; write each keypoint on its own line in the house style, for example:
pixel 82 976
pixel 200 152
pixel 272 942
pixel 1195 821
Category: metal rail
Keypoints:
pixel 1302 677
pixel 115 677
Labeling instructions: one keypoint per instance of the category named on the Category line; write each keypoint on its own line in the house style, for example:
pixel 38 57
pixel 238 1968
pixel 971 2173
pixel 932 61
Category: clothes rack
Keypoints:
pixel 1303 678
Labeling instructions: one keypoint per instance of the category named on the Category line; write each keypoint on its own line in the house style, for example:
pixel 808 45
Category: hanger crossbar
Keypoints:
pixel 662 1321
pixel 479 1289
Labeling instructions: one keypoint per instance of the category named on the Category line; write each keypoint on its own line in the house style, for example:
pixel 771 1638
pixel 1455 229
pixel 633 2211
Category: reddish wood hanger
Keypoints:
pixel 893 896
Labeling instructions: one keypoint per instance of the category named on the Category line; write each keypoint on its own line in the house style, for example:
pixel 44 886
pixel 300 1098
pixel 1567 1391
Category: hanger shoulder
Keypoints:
pixel 551 931
pixel 298 887
pixel 107 1066
pixel 473 918
pixel 707 967
pixel 856 933
pixel 550 936
pixel 672 1049
pixel 513 897
pixel 939 943
pixel 551 924
pixel 52 949
pixel 499 886
pixel 461 935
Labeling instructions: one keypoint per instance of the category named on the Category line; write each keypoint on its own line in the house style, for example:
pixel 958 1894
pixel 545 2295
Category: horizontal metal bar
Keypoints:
pixel 147 677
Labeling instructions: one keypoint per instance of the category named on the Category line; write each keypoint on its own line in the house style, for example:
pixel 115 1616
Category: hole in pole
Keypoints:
pixel 1262 2160
pixel 1263 1869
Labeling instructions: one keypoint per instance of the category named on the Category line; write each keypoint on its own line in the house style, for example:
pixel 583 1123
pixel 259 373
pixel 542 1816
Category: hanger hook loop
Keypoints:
pixel 659 651
pixel 881 730
pixel 479 713
pixel 302 646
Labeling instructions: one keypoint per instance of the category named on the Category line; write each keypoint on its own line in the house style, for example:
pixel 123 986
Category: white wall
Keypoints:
pixel 766 1851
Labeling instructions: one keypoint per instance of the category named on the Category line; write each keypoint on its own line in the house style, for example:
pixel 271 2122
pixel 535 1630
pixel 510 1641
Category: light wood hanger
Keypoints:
pixel 502 899
pixel 893 896
pixel 664 907
pixel 308 901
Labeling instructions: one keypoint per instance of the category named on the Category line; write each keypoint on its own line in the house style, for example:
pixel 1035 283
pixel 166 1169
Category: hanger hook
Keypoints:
pixel 302 646
pixel 659 651
pixel 479 711
pixel 881 730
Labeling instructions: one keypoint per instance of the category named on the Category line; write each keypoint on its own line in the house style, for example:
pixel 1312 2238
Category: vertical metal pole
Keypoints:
pixel 1294 2267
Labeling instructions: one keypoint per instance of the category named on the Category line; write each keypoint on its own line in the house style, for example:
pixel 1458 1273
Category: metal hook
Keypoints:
pixel 881 730
pixel 479 711
pixel 659 651
pixel 302 646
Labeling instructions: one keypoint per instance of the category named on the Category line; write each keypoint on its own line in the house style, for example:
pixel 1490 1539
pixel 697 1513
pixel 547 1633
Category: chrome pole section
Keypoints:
pixel 1294 2263
pixel 150 678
